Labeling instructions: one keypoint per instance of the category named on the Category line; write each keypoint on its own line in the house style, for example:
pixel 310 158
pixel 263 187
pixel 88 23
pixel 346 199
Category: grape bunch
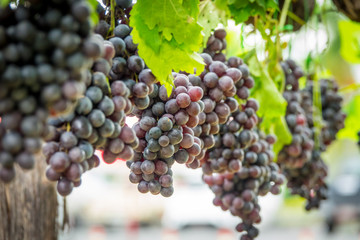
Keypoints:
pixel 298 152
pixel 68 157
pixel 238 192
pixel 166 136
pixel 44 56
pixel 98 122
pixel 127 66
pixel 238 166
pixel 214 47
pixel 218 83
pixel 216 44
pixel 20 139
pixel 234 136
pixel 43 70
pixel 221 81
pixel 333 116
pixel 309 181
pixel 130 68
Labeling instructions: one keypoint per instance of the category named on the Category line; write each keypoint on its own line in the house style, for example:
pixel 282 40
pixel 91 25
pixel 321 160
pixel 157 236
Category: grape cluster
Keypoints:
pixel 130 68
pixel 234 136
pixel 68 157
pixel 214 47
pixel 306 175
pixel 98 122
pixel 20 138
pixel 221 81
pixel 238 166
pixel 44 66
pixel 238 191
pixel 216 44
pixel 309 181
pixel 44 57
pixel 333 117
pixel 166 136
pixel 298 152
pixel 127 66
pixel 218 83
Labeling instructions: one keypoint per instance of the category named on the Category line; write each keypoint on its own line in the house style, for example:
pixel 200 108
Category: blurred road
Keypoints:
pixel 316 232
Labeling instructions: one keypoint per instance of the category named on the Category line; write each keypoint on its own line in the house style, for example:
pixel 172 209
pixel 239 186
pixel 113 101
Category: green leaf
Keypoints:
pixel 352 123
pixel 160 54
pixel 272 104
pixel 3 3
pixel 350 41
pixel 272 4
pixel 238 4
pixel 223 4
pixel 234 40
pixel 174 19
pixel 94 16
pixel 241 10
pixel 242 14
pixel 262 3
pixel 210 16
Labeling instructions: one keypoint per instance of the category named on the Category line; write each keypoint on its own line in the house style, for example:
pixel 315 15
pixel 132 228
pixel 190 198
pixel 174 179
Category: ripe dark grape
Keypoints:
pixel 238 191
pixel 300 161
pixel 46 56
pixel 160 131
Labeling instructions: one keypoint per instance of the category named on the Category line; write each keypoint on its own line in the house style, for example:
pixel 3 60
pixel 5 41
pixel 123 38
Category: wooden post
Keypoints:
pixel 29 206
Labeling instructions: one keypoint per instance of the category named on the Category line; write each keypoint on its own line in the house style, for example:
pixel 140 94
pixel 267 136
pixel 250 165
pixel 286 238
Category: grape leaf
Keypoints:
pixel 242 14
pixel 174 19
pixel 350 41
pixel 210 16
pixel 162 52
pixel 241 10
pixel 352 126
pixel 272 104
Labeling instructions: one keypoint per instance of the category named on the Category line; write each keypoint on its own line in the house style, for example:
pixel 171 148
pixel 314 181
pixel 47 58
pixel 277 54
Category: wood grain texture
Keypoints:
pixel 29 206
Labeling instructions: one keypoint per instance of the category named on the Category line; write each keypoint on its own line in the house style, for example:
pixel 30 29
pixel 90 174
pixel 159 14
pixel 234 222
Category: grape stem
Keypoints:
pixel 284 13
pixel 317 114
pixel 112 19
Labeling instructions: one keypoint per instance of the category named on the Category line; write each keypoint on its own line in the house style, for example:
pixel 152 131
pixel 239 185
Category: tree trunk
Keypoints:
pixel 29 206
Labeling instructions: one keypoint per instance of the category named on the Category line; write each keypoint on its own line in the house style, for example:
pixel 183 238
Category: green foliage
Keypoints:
pixel 94 17
pixel 168 36
pixel 3 3
pixel 234 41
pixel 241 10
pixel 352 124
pixel 350 41
pixel 272 104
pixel 210 16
